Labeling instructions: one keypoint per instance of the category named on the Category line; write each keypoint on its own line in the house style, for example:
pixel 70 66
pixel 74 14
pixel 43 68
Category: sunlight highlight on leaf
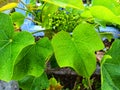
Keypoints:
pixel 78 4
pixel 8 6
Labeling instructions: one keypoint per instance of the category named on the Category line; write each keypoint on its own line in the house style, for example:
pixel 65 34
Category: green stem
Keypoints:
pixel 76 82
pixel 27 8
pixel 40 31
pixel 22 9
pixel 89 84
pixel 37 31
pixel 23 3
pixel 34 21
pixel 42 12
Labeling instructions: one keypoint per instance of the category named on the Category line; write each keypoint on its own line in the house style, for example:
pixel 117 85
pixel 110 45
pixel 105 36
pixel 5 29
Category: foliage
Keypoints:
pixel 71 33
pixel 11 44
pixel 32 59
pixel 110 68
pixel 113 5
pixel 75 51
pixel 17 19
pixel 108 15
pixel 54 85
pixel 34 83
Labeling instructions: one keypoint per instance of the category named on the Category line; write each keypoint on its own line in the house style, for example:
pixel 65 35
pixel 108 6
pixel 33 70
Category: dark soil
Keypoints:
pixel 69 81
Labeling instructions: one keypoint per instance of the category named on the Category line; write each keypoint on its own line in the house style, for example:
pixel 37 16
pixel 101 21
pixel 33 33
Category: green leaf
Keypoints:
pixel 17 18
pixel 53 82
pixel 113 5
pixel 85 33
pixel 78 4
pixel 32 83
pixel 86 14
pixel 32 2
pixel 26 82
pixel 100 22
pixel 105 14
pixel 110 68
pixel 11 44
pixel 40 83
pixel 6 27
pixel 78 51
pixel 106 35
pixel 32 59
pixel 54 85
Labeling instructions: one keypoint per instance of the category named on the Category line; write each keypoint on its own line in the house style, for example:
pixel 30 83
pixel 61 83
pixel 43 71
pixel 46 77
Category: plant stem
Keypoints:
pixel 76 82
pixel 28 10
pixel 22 9
pixel 23 3
pixel 34 21
pixel 37 31
pixel 40 31
pixel 42 12
pixel 89 84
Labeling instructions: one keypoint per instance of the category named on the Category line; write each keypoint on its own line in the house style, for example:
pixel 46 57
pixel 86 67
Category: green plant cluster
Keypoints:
pixel 64 20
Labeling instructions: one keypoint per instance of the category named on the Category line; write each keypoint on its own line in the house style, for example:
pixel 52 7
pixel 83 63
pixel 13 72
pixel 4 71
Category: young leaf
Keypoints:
pixel 32 59
pixel 11 44
pixel 54 85
pixel 78 51
pixel 78 4
pixel 110 68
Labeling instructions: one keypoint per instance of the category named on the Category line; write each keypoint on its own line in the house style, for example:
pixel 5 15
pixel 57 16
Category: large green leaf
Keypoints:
pixel 32 59
pixel 11 44
pixel 110 68
pixel 78 4
pixel 32 83
pixel 6 27
pixel 105 14
pixel 78 51
pixel 113 5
